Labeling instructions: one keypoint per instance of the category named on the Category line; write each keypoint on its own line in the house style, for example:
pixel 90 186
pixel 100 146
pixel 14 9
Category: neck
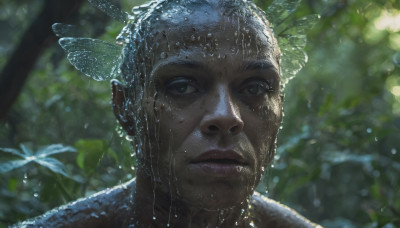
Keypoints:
pixel 155 207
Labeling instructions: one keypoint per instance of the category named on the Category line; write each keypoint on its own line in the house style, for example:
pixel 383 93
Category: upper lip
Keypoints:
pixel 220 155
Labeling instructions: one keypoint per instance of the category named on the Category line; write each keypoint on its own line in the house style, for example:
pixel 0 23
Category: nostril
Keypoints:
pixel 212 128
pixel 234 129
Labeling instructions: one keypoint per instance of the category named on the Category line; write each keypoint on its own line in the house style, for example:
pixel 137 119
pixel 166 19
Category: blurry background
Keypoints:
pixel 338 159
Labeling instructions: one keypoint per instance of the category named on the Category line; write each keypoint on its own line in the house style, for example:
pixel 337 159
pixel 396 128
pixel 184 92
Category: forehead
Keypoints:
pixel 211 33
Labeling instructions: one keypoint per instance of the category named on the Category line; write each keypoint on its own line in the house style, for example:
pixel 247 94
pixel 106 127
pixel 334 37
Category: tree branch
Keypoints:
pixel 35 39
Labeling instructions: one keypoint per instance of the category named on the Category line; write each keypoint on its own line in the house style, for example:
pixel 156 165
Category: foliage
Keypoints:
pixel 338 155
pixel 41 157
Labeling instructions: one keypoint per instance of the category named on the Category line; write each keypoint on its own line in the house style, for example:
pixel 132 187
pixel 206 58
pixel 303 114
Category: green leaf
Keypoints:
pixel 90 153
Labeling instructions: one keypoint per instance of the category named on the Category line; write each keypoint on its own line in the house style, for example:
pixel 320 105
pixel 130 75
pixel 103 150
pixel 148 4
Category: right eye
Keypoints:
pixel 181 86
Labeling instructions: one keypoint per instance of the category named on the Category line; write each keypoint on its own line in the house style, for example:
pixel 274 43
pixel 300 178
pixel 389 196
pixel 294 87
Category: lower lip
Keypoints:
pixel 219 170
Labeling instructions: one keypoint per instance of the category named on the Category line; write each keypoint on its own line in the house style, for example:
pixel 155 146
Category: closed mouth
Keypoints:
pixel 223 157
pixel 221 161
pixel 220 164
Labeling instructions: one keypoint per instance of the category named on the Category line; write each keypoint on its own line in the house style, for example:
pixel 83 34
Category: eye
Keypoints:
pixel 256 88
pixel 181 86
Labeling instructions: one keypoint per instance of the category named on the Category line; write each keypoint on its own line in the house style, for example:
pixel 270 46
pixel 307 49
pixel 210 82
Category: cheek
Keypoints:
pixel 263 127
pixel 174 126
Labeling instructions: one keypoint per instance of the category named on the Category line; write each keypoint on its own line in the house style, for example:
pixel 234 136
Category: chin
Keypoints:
pixel 218 196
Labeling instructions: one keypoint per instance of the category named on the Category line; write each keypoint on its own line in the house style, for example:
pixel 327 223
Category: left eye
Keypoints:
pixel 256 88
pixel 181 87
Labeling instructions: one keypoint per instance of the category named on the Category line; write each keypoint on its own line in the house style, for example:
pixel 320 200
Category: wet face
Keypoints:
pixel 213 105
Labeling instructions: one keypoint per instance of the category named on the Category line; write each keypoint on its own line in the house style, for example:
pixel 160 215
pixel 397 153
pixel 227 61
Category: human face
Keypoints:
pixel 217 107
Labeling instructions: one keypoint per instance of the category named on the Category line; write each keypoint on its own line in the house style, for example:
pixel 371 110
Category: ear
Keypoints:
pixel 121 107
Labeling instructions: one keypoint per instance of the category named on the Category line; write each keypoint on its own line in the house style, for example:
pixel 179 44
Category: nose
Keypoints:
pixel 223 116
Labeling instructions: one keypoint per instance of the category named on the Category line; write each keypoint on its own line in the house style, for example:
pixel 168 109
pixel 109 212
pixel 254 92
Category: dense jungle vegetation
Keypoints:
pixel 338 157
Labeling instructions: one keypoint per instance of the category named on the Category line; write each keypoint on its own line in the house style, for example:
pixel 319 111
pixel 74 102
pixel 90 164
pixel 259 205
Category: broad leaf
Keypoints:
pixel 90 153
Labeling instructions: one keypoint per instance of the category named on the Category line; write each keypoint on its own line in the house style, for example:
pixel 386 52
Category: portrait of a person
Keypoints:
pixel 200 95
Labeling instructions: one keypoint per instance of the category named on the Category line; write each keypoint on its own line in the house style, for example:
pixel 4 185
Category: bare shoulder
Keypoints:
pixel 108 208
pixel 269 213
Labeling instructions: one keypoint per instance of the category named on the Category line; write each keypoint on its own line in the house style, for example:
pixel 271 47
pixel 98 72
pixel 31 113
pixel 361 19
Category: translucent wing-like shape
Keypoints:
pixel 293 59
pixel 65 30
pixel 280 10
pixel 95 58
pixel 111 10
pixel 299 26
pixel 292 40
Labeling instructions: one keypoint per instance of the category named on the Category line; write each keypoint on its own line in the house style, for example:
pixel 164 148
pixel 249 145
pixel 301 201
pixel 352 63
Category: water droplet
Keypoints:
pixel 94 215
pixel 316 202
pixel 154 217
pixel 25 179
pixel 376 139
pixel 35 194
pixel 369 130
pixel 393 151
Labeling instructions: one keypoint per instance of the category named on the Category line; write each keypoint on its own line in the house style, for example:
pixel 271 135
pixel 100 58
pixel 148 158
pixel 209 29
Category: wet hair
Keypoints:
pixel 138 35
pixel 140 46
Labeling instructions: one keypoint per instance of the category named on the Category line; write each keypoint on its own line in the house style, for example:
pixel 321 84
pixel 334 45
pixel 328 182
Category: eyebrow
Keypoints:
pixel 181 63
pixel 258 65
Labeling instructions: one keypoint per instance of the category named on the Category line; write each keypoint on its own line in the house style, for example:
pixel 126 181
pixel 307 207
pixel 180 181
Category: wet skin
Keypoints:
pixel 210 106
pixel 217 111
